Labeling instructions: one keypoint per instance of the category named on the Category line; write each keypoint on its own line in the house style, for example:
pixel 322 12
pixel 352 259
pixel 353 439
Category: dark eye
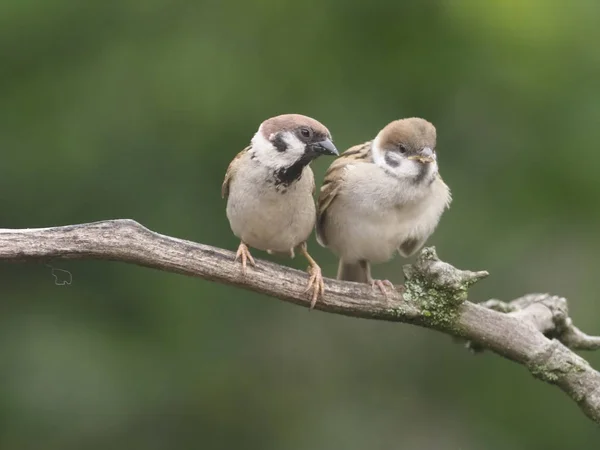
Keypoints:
pixel 306 132
pixel 402 148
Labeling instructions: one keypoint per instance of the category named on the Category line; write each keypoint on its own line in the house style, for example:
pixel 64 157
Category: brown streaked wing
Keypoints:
pixel 231 170
pixel 333 178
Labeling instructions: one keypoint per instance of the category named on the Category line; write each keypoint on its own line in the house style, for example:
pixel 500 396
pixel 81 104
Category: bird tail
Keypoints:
pixel 358 271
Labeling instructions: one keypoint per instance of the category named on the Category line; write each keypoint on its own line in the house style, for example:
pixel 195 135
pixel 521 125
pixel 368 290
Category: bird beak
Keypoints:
pixel 424 156
pixel 325 147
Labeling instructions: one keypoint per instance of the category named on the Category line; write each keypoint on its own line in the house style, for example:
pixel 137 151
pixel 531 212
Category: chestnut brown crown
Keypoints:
pixel 305 128
pixel 408 136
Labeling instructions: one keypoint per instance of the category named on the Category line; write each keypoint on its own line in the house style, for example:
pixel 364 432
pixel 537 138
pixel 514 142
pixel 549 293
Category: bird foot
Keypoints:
pixel 245 255
pixel 315 284
pixel 383 286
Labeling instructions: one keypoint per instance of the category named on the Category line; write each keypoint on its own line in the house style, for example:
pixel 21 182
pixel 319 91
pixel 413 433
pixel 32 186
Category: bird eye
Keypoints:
pixel 402 148
pixel 306 132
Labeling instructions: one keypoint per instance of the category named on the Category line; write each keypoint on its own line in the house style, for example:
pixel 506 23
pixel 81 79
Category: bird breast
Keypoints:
pixel 375 213
pixel 267 214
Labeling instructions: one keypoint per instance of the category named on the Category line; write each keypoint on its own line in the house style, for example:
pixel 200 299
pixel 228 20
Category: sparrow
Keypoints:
pixel 269 187
pixel 383 196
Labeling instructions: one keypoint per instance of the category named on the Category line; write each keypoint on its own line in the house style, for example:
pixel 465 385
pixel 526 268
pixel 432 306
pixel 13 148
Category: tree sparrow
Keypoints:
pixel 382 196
pixel 269 188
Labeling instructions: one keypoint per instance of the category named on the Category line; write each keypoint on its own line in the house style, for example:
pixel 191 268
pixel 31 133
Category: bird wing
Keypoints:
pixel 334 177
pixel 231 171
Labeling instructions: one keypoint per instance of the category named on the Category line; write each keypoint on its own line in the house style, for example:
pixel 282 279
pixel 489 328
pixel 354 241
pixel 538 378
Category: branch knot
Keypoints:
pixel 437 287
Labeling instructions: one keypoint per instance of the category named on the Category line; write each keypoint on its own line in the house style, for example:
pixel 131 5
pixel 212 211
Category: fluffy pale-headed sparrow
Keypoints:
pixel 380 197
pixel 269 188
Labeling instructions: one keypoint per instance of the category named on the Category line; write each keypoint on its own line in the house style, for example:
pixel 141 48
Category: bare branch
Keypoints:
pixel 534 330
pixel 550 315
pixel 576 339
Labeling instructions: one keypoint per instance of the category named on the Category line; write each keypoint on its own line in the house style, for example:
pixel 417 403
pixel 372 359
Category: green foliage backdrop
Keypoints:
pixel 134 108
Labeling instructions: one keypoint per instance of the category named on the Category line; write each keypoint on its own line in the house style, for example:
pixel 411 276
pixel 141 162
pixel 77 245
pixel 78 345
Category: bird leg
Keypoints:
pixel 315 282
pixel 245 255
pixel 382 285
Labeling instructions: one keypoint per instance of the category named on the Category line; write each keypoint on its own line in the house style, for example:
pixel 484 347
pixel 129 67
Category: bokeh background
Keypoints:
pixel 134 108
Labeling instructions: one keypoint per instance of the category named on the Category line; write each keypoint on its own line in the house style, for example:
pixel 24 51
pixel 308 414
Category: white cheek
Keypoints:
pixel 407 168
pixel 378 154
pixel 268 155
pixel 413 169
pixel 265 151
pixel 295 147
pixel 260 142
pixel 404 168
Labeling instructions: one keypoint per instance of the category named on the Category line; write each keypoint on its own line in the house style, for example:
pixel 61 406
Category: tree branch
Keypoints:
pixel 534 330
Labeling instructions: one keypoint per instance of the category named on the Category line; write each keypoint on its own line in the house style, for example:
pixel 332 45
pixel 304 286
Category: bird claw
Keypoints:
pixel 245 255
pixel 316 283
pixel 382 285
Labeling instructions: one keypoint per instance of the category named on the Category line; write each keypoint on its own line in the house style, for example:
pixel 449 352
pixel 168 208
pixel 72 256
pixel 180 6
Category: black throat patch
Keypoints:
pixel 424 172
pixel 288 175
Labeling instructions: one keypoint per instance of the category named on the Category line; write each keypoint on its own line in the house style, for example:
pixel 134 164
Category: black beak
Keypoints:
pixel 325 147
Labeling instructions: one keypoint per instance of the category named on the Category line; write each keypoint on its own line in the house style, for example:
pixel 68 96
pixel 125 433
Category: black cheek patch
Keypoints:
pixel 390 161
pixel 279 143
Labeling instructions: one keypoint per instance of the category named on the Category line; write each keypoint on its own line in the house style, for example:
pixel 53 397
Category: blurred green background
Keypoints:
pixel 134 108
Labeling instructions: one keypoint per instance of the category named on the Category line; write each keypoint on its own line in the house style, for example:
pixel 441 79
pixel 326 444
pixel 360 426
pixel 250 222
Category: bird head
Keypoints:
pixel 406 147
pixel 288 139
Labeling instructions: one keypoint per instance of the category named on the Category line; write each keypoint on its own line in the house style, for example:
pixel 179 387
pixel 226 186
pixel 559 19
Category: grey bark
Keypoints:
pixel 534 330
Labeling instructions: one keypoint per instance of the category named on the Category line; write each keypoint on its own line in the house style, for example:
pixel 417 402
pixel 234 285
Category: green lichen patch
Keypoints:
pixel 438 306
pixel 543 372
pixel 556 367
pixel 437 289
pixel 398 311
